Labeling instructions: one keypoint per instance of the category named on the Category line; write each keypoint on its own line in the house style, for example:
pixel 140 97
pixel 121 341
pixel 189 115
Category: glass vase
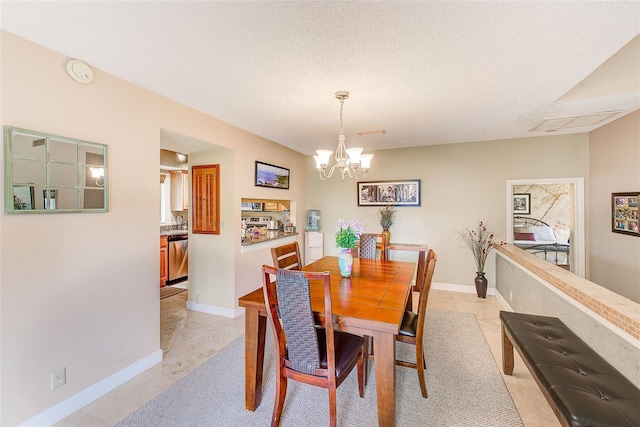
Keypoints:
pixel 345 262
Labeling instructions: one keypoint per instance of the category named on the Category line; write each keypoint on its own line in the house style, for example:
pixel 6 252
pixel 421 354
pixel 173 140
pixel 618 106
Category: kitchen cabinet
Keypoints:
pixel 164 264
pixel 179 190
pixel 205 212
pixel 313 246
pixel 274 206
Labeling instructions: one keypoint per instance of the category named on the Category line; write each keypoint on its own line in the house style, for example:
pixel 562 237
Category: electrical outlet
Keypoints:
pixel 58 378
pixel 197 299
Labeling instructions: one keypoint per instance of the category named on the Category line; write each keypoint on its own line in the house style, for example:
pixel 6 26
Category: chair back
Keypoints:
pixel 424 292
pixel 289 310
pixel 421 272
pixel 287 256
pixel 370 243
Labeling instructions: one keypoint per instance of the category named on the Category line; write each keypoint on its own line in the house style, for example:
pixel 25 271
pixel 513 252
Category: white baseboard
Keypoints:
pixel 88 395
pixel 503 301
pixel 214 309
pixel 459 288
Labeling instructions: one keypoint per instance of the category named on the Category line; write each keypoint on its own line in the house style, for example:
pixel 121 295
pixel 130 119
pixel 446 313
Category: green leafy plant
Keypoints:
pixel 348 233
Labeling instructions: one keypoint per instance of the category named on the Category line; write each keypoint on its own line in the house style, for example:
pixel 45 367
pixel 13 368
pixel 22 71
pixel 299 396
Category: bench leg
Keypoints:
pixel 507 353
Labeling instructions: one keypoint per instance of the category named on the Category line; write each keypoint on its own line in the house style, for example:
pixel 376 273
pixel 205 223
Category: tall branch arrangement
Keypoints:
pixel 480 241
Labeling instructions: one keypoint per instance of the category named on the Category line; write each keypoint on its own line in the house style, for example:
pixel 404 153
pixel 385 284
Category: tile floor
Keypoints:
pixel 189 338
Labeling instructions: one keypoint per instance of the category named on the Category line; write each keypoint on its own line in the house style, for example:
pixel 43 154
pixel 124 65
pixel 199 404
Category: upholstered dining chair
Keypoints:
pixel 318 356
pixel 412 327
pixel 287 256
pixel 370 243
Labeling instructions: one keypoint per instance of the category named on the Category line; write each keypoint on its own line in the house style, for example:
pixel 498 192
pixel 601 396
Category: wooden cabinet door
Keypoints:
pixel 164 264
pixel 179 190
pixel 205 208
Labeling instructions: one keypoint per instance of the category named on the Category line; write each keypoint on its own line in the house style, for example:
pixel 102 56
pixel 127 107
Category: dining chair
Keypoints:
pixel 412 326
pixel 318 356
pixel 370 243
pixel 287 256
pixel 423 263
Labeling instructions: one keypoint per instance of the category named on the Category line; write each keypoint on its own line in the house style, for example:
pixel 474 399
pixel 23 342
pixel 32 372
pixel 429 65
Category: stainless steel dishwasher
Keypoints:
pixel 178 258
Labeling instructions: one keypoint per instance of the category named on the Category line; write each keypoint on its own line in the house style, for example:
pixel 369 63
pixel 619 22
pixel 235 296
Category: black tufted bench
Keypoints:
pixel 581 387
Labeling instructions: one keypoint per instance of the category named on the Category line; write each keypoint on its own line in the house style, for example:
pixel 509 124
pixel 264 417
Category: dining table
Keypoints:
pixel 370 302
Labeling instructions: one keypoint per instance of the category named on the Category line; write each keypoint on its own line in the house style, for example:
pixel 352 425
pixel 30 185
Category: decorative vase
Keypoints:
pixel 345 261
pixel 387 235
pixel 481 285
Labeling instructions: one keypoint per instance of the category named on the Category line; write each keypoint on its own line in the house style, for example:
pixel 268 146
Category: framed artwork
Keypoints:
pixel 522 203
pixel 395 193
pixel 624 213
pixel 23 197
pixel 271 176
pixel 49 202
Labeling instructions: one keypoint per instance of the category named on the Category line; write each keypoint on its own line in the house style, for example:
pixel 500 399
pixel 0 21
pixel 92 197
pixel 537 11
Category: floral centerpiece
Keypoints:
pixel 480 240
pixel 347 234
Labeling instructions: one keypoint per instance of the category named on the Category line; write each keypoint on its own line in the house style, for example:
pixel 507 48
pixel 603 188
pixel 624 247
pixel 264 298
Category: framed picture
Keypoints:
pixel 395 193
pixel 23 197
pixel 624 213
pixel 522 203
pixel 271 176
pixel 49 202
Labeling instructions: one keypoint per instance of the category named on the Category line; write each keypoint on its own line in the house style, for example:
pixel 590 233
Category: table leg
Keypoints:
pixel 254 335
pixel 385 351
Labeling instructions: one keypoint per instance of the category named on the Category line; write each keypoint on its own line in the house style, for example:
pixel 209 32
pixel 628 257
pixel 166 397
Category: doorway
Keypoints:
pixel 574 234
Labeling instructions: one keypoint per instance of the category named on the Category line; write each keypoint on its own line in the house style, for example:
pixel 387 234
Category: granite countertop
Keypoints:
pixel 173 232
pixel 252 239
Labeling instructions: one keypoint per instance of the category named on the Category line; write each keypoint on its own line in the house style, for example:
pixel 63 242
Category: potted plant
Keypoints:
pixel 386 215
pixel 480 240
pixel 347 234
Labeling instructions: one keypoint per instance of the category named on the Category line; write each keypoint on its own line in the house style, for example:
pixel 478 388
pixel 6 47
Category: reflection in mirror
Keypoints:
pixel 47 173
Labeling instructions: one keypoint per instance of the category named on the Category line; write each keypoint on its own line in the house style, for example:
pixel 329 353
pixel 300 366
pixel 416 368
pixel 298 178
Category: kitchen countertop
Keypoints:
pixel 173 232
pixel 261 238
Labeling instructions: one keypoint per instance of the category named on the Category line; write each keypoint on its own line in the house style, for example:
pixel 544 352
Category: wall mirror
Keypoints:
pixel 52 174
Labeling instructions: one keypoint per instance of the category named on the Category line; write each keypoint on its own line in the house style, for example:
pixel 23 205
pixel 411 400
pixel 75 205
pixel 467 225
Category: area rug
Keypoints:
pixel 169 291
pixel 463 381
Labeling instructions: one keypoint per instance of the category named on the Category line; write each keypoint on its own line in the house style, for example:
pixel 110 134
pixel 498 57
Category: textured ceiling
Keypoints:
pixel 426 72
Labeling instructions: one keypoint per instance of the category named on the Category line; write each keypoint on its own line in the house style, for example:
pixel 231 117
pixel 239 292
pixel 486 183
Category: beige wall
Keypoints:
pixel 461 183
pixel 81 291
pixel 614 159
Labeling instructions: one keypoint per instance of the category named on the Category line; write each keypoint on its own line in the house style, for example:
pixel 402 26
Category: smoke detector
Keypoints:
pixel 79 71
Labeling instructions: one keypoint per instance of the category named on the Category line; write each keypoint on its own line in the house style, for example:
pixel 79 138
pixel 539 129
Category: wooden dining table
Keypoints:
pixel 371 302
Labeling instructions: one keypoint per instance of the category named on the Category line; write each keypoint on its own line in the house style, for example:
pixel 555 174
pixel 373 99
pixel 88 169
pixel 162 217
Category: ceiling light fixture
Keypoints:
pixel 348 160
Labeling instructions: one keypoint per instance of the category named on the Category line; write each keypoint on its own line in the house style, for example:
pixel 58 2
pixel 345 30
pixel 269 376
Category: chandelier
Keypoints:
pixel 348 160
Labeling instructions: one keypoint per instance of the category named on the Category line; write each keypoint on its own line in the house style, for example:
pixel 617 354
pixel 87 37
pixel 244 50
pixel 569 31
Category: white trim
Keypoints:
pixel 503 301
pixel 459 288
pixel 578 240
pixel 92 393
pixel 213 309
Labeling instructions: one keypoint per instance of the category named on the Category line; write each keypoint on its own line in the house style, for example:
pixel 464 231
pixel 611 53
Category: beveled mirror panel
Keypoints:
pixel 53 174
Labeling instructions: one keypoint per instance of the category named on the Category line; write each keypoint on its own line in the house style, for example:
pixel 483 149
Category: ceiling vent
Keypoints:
pixel 372 132
pixel 557 123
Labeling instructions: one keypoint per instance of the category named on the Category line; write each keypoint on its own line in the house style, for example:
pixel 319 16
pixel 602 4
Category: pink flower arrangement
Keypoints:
pixel 348 233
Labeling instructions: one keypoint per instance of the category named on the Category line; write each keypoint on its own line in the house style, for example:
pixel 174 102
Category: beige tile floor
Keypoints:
pixel 189 338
